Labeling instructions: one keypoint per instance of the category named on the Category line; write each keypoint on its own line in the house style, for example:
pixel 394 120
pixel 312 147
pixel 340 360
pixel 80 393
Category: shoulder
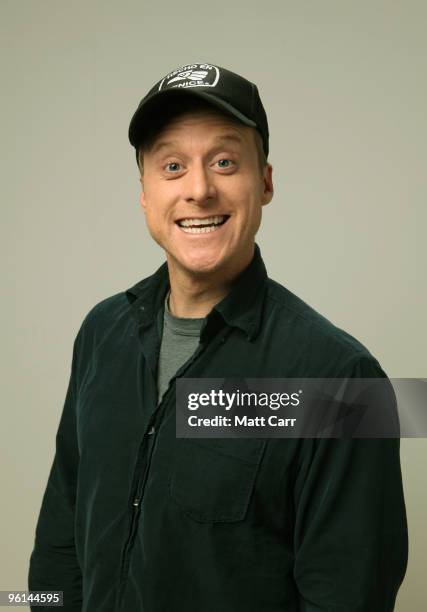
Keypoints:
pixel 290 307
pixel 106 309
pixel 326 348
pixel 105 316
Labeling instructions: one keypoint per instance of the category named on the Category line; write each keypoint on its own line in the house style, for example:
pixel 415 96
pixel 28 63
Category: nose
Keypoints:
pixel 199 184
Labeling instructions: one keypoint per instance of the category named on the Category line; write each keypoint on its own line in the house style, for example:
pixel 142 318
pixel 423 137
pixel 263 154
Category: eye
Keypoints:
pixel 172 164
pixel 225 160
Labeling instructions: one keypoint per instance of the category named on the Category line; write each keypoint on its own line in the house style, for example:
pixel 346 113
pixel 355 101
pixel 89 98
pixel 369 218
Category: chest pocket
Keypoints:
pixel 213 479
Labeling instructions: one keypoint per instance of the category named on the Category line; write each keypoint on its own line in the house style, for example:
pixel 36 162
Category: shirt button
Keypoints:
pixel 152 430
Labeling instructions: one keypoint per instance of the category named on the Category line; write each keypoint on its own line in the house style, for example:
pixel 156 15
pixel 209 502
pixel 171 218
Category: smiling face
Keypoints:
pixel 203 169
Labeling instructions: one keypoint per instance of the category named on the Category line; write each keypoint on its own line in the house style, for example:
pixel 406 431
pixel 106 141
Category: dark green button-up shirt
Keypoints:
pixel 134 519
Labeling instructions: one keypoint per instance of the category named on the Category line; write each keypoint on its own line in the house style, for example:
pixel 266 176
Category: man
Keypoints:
pixel 136 519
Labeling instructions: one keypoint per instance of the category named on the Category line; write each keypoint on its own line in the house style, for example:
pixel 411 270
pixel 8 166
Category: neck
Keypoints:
pixel 193 296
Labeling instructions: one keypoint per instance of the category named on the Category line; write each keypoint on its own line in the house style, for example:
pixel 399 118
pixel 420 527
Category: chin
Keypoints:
pixel 201 264
pixel 202 267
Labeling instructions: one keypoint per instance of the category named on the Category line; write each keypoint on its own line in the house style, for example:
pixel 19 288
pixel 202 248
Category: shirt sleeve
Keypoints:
pixel 53 563
pixel 351 541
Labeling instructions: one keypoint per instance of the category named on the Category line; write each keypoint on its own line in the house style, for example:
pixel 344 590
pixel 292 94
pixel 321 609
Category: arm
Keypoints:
pixel 53 563
pixel 350 533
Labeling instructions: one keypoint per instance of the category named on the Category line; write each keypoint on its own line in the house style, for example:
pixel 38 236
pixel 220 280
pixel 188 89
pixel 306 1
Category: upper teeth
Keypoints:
pixel 208 221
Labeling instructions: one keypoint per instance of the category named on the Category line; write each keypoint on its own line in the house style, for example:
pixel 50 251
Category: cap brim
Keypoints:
pixel 149 105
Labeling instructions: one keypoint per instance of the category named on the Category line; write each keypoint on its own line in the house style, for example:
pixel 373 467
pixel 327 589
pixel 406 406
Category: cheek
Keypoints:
pixel 156 199
pixel 156 217
pixel 256 217
pixel 151 216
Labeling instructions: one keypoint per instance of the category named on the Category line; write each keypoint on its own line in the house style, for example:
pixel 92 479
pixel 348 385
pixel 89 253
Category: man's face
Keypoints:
pixel 202 166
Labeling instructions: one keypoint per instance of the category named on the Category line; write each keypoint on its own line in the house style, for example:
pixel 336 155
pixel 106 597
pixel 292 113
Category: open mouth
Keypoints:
pixel 202 226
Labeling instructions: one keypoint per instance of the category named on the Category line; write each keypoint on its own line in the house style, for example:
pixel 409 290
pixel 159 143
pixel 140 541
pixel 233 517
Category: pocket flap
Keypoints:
pixel 213 479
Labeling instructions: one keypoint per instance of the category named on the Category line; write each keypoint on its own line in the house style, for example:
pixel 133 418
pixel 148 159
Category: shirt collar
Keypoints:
pixel 241 307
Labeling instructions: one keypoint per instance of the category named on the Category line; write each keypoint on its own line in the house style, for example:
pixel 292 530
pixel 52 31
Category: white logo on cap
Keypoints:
pixel 194 75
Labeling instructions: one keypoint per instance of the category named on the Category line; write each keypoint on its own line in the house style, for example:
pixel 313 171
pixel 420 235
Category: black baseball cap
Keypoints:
pixel 222 88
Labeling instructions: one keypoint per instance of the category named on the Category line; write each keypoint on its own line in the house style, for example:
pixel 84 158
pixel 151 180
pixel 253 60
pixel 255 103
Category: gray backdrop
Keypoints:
pixel 344 86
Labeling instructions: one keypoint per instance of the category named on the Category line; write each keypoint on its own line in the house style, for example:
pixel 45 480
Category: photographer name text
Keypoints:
pixel 240 421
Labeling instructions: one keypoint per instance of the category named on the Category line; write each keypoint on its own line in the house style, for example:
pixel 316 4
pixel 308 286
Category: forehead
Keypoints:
pixel 215 127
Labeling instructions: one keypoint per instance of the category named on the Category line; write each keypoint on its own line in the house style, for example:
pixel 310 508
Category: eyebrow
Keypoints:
pixel 221 139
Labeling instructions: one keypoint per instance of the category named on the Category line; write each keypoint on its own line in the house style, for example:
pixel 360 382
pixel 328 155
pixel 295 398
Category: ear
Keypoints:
pixel 268 189
pixel 142 196
pixel 142 200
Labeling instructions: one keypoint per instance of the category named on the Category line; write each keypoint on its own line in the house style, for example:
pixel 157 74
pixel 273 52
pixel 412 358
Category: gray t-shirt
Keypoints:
pixel 180 339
